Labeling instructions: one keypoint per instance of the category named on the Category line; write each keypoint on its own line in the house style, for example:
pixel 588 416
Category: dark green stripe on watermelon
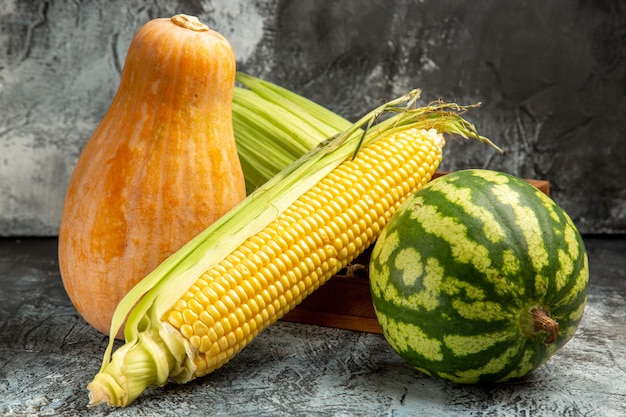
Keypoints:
pixel 461 265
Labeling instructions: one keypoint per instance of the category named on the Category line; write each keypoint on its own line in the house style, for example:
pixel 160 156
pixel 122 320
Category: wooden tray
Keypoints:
pixel 345 301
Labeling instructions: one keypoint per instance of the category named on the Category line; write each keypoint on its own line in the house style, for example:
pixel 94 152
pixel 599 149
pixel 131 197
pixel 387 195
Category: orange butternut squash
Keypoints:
pixel 160 167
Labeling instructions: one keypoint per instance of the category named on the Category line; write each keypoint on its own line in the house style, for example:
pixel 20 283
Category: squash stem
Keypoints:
pixel 544 323
pixel 189 22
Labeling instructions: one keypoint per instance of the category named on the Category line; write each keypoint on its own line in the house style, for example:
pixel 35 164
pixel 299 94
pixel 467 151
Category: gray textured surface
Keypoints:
pixel 48 355
pixel 550 76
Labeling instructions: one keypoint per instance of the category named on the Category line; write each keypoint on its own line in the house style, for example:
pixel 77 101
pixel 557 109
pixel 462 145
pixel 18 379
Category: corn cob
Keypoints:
pixel 315 237
pixel 211 298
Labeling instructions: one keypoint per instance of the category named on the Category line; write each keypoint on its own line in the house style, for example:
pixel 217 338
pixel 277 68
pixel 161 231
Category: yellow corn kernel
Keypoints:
pixel 257 283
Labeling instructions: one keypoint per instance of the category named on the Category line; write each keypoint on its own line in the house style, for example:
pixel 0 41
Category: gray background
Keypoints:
pixel 550 75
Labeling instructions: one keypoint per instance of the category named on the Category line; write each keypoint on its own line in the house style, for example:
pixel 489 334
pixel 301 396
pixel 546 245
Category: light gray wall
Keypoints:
pixel 550 75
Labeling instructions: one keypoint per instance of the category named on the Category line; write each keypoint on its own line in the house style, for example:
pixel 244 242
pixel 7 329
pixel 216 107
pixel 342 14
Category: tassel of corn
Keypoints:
pixel 206 302
pixel 274 127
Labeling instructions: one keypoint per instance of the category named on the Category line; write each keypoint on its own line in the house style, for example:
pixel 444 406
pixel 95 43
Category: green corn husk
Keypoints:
pixel 153 353
pixel 275 126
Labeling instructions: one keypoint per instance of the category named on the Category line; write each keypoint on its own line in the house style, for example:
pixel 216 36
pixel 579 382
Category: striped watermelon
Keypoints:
pixel 478 277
